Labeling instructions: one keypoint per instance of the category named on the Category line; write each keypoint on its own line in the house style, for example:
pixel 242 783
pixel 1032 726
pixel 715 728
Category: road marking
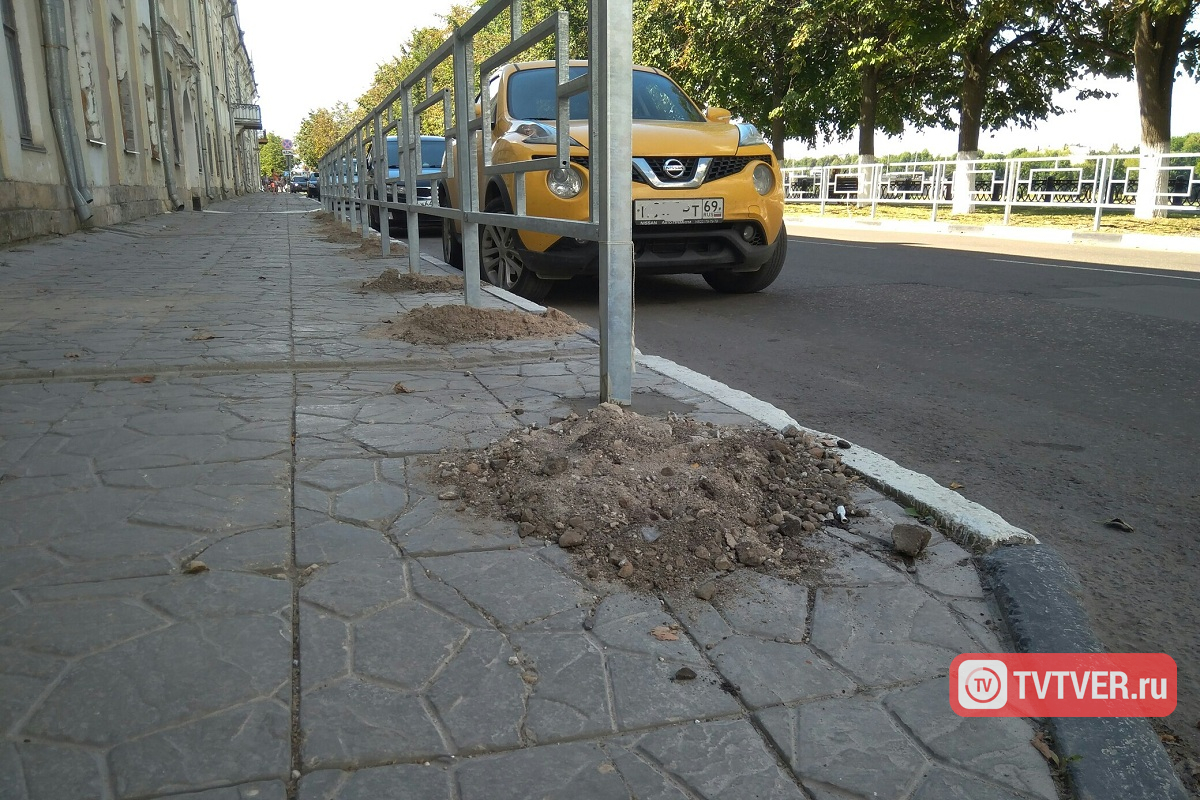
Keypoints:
pixel 251 211
pixel 1139 273
pixel 832 244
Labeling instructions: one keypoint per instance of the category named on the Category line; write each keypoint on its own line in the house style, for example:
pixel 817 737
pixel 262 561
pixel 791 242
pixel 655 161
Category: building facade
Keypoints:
pixel 116 109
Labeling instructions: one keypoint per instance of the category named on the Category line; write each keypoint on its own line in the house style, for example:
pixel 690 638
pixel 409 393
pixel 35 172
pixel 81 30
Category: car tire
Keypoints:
pixel 451 246
pixel 500 261
pixel 373 218
pixel 728 282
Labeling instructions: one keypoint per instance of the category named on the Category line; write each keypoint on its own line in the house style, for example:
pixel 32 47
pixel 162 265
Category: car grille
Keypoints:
pixel 721 167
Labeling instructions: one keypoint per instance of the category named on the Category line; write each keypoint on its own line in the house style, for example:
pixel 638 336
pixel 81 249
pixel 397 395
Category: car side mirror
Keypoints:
pixel 717 114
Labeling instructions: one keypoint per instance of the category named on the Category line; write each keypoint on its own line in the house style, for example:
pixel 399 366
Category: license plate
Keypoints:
pixel 424 201
pixel 663 212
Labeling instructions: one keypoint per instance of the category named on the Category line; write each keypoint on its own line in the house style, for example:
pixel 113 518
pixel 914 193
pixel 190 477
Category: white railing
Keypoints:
pixel 1095 183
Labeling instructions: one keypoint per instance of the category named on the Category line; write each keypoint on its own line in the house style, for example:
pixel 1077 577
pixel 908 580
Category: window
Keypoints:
pixel 124 90
pixel 85 59
pixel 13 46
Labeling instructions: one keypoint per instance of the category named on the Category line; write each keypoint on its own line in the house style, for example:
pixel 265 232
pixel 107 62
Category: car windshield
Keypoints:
pixel 531 96
pixel 431 153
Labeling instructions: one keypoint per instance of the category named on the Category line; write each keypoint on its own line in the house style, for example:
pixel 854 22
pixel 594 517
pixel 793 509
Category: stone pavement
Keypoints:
pixel 201 386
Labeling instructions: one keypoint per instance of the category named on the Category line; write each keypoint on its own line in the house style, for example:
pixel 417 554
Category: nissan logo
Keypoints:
pixel 674 168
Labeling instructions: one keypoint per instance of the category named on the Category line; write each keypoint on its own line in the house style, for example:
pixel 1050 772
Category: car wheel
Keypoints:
pixel 451 246
pixel 500 260
pixel 728 282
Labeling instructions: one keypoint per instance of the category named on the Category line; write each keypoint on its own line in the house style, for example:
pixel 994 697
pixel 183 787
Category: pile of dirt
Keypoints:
pixel 659 504
pixel 460 323
pixel 335 232
pixel 371 248
pixel 390 281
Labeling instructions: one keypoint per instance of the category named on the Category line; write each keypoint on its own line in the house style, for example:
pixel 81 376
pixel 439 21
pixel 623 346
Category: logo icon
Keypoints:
pixel 982 684
pixel 674 167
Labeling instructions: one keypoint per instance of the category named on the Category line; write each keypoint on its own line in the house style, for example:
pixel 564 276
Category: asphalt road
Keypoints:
pixel 1059 384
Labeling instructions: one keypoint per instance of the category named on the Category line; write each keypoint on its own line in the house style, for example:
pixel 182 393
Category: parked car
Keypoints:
pixel 298 184
pixel 432 150
pixel 707 192
pixel 313 185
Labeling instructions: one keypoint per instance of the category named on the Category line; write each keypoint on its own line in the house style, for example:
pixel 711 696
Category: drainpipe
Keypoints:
pixel 199 93
pixel 212 79
pixel 228 100
pixel 54 40
pixel 163 108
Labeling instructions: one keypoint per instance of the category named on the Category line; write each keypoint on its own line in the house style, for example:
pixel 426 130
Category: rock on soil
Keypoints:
pixel 459 323
pixel 714 498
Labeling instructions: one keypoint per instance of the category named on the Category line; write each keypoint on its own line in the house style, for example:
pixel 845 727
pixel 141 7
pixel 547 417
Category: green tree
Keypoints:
pixel 753 57
pixel 1151 41
pixel 1186 144
pixel 320 130
pixel 882 75
pixel 270 156
pixel 1005 60
pixel 1154 41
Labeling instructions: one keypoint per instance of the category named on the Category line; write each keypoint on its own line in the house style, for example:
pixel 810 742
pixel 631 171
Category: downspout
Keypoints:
pixel 163 101
pixel 212 79
pixel 199 92
pixel 54 41
pixel 228 100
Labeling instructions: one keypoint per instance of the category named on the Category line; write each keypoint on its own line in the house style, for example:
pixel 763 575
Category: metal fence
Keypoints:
pixel 1094 183
pixel 460 112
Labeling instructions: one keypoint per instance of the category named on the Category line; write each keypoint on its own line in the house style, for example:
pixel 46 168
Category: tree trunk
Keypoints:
pixel 1156 47
pixel 972 96
pixel 777 137
pixel 868 108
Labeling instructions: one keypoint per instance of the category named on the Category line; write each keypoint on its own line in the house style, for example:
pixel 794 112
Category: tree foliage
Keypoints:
pixel 1003 61
pixel 320 130
pixel 1152 41
pixel 270 156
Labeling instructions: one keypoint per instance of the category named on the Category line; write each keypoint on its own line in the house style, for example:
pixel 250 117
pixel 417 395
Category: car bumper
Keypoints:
pixel 661 250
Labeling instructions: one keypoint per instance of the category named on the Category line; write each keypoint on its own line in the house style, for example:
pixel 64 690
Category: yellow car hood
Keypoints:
pixel 657 138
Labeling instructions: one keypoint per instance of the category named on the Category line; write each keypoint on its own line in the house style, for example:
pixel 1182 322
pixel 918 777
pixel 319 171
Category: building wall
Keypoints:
pixel 128 135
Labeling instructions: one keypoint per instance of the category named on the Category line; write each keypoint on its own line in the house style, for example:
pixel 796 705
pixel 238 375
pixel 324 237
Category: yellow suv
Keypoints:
pixel 707 193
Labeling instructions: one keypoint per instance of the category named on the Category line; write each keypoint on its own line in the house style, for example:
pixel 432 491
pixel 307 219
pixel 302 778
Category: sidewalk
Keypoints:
pixel 1177 243
pixel 199 386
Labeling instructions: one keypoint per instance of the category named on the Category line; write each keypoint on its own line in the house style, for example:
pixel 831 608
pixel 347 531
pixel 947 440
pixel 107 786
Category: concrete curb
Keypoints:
pixel 1104 757
pixel 1144 241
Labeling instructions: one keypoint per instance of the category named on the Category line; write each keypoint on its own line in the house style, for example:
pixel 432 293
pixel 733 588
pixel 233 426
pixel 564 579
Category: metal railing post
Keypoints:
pixel 468 175
pixel 408 154
pixel 1101 191
pixel 610 63
pixel 1012 173
pixel 939 175
pixel 360 185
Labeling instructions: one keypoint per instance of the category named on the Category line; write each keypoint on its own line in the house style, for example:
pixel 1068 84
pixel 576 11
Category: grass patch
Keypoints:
pixel 1123 221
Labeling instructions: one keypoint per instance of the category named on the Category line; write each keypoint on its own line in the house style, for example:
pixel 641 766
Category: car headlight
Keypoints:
pixel 764 179
pixel 748 135
pixel 564 182
pixel 540 133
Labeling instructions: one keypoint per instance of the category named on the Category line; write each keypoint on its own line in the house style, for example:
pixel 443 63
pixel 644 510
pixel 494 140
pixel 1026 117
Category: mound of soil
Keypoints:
pixel 659 504
pixel 460 323
pixel 390 281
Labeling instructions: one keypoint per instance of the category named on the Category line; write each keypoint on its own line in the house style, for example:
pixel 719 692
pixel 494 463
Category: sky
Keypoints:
pixel 306 57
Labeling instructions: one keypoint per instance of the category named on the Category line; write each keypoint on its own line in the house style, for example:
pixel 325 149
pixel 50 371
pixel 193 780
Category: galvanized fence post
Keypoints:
pixel 611 68
pixel 468 175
